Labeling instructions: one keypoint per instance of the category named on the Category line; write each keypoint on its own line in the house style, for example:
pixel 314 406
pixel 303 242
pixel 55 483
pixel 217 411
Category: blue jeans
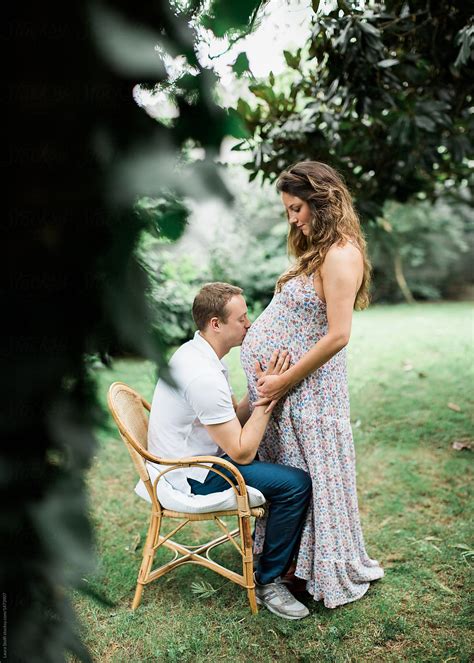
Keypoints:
pixel 288 490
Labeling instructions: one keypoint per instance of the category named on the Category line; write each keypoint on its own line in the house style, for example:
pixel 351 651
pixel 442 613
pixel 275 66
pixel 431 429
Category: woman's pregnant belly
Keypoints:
pixel 276 329
pixel 279 328
pixel 260 341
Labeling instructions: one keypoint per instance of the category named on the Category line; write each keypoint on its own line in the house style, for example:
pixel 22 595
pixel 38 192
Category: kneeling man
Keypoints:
pixel 199 416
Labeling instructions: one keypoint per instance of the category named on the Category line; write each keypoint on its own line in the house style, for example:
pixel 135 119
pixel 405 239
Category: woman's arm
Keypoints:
pixel 341 275
pixel 241 442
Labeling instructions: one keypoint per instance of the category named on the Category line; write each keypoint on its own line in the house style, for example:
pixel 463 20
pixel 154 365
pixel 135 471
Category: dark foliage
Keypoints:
pixel 74 286
pixel 384 94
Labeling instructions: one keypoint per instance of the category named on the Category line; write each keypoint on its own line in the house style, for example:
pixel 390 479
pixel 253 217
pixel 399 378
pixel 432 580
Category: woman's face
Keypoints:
pixel 298 212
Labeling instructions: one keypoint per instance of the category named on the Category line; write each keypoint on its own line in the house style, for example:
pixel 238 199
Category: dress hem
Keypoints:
pixel 332 606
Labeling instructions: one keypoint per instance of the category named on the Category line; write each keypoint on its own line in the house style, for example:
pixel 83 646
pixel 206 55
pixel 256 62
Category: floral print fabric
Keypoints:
pixel 310 429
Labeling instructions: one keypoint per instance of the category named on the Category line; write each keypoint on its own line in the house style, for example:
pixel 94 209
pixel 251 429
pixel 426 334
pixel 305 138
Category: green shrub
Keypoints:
pixel 431 244
pixel 175 281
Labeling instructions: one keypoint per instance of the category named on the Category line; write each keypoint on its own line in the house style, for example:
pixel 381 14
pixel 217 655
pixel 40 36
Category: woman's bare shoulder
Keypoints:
pixel 343 253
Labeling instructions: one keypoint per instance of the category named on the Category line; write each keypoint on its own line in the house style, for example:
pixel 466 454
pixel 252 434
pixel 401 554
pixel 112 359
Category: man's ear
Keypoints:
pixel 215 324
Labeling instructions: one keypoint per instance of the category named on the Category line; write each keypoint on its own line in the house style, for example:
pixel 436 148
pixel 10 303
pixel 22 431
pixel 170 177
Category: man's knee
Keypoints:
pixel 300 483
pixel 306 483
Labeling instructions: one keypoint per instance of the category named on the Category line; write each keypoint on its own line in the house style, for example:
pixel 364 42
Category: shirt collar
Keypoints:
pixel 207 349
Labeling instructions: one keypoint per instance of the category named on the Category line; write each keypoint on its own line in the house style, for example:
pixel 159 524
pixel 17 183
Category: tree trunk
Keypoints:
pixel 400 278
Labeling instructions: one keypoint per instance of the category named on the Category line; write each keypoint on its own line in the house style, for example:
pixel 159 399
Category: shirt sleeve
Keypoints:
pixel 210 398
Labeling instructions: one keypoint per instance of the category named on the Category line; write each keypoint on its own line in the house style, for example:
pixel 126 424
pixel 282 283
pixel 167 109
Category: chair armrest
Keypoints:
pixel 200 461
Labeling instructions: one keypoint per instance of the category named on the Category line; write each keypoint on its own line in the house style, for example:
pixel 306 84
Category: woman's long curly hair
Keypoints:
pixel 334 220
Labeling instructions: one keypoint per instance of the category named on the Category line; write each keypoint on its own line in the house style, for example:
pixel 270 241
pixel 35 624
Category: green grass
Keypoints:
pixel 406 364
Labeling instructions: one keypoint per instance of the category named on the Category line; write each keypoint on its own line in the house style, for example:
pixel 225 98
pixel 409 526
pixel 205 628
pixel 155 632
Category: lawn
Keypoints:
pixel 406 364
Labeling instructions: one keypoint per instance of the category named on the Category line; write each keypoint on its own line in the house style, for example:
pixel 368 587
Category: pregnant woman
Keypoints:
pixel 310 315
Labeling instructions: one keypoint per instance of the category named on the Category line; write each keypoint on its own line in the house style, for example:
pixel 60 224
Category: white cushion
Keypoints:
pixel 175 500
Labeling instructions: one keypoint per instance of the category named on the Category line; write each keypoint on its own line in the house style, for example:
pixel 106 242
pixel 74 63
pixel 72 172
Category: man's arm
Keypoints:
pixel 241 443
pixel 242 409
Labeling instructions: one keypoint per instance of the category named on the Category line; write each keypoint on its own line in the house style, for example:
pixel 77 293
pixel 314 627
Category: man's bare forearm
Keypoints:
pixel 242 410
pixel 252 434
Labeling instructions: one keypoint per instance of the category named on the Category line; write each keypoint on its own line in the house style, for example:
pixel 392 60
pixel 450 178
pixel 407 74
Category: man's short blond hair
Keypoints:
pixel 211 302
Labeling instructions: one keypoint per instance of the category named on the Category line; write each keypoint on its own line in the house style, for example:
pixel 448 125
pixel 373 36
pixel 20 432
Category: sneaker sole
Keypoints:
pixel 280 614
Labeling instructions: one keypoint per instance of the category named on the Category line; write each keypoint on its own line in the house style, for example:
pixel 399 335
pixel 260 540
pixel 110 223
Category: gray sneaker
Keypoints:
pixel 278 599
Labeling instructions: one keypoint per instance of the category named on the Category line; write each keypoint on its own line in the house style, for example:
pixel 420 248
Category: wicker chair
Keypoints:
pixel 128 409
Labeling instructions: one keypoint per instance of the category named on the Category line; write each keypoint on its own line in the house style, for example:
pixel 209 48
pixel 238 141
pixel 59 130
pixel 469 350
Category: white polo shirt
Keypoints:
pixel 202 395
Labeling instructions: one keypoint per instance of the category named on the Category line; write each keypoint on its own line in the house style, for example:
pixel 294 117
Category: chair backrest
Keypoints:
pixel 128 410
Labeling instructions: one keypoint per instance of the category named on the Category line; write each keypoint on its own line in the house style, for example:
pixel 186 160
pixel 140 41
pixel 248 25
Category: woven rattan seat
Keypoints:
pixel 130 412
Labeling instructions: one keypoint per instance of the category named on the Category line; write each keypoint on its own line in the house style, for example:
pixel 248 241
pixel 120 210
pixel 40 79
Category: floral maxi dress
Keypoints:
pixel 310 429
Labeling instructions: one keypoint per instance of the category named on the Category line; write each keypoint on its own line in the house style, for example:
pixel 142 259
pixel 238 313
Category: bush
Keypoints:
pixel 429 243
pixel 175 281
pixel 256 267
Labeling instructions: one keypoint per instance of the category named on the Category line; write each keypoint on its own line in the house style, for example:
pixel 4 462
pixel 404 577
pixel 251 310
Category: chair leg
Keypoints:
pixel 147 560
pixel 247 546
pixel 252 601
pixel 138 596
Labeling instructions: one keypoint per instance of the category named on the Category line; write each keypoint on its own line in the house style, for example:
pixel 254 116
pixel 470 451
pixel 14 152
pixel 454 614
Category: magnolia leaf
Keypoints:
pixel 426 123
pixel 454 406
pixel 241 64
pixel 465 39
pixel 369 29
pixel 235 125
pixel 224 15
pixel 264 92
pixel 292 61
pixel 166 216
pixel 390 62
pixel 243 107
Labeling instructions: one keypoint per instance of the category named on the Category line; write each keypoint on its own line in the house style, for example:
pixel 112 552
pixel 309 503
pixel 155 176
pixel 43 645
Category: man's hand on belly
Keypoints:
pixel 272 384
